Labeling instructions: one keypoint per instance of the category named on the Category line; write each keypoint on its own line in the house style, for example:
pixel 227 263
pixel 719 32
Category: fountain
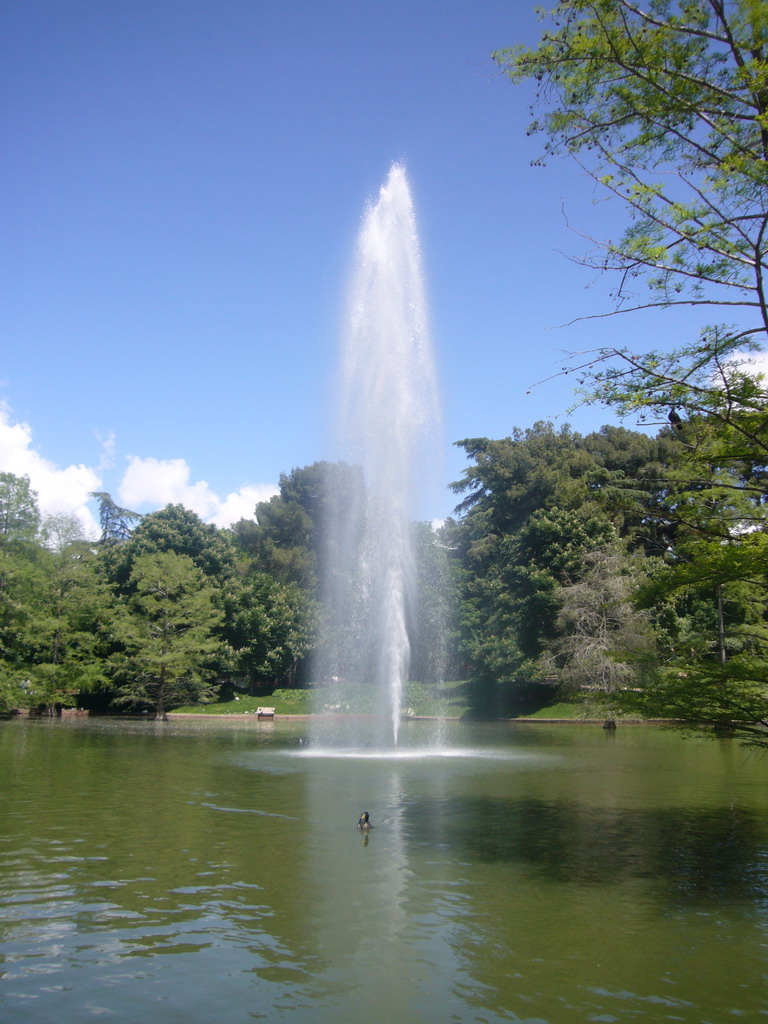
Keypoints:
pixel 387 427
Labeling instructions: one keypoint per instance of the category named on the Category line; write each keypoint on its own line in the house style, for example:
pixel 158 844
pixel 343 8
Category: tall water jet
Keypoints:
pixel 388 427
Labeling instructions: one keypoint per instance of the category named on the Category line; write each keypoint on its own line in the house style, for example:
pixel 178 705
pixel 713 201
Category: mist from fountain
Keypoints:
pixel 388 425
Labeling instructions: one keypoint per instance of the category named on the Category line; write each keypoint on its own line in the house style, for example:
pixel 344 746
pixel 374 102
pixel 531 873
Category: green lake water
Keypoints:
pixel 199 871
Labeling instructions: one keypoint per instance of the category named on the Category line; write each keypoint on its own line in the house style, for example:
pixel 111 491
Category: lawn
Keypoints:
pixel 456 699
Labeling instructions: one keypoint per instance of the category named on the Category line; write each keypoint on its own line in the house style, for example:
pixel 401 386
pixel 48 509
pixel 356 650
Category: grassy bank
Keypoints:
pixel 457 699
pixel 339 699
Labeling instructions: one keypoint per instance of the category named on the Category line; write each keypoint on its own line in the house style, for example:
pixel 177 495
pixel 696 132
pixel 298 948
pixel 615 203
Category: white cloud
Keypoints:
pixel 241 504
pixel 146 482
pixel 108 445
pixel 756 362
pixel 161 482
pixel 58 490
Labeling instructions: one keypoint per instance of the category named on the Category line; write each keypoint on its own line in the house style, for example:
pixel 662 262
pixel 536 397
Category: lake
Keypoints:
pixel 206 870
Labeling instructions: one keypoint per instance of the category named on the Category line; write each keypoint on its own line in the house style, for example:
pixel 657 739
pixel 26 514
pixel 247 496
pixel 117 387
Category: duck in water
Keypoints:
pixel 363 822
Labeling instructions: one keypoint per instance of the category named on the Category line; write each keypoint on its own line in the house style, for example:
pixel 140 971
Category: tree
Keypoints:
pixel 22 586
pixel 21 579
pixel 116 522
pixel 53 615
pixel 166 634
pixel 538 502
pixel 65 632
pixel 19 513
pixel 666 106
pixel 178 530
pixel 603 643
pixel 269 629
pixel 546 554
pixel 292 525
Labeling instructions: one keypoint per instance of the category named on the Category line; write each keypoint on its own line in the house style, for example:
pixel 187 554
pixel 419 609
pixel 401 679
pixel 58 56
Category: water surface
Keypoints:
pixel 211 870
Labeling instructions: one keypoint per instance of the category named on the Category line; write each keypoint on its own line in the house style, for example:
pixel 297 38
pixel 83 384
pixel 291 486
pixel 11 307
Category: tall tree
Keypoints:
pixel 19 512
pixel 291 531
pixel 66 628
pixel 538 502
pixel 665 105
pixel 602 644
pixel 21 580
pixel 22 588
pixel 269 629
pixel 166 634
pixel 116 522
pixel 178 530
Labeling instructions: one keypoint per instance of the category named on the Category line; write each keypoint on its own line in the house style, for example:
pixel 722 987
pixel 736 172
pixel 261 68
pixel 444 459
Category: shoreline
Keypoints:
pixel 244 716
pixel 247 716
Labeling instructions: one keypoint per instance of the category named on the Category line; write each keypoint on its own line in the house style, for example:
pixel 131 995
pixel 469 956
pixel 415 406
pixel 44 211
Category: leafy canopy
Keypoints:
pixel 19 512
pixel 165 633
pixel 667 108
pixel 665 105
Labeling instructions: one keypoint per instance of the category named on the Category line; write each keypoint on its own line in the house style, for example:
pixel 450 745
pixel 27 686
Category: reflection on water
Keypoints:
pixel 694 854
pixel 198 871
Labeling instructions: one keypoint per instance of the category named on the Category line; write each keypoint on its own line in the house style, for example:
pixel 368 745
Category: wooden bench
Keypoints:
pixel 265 712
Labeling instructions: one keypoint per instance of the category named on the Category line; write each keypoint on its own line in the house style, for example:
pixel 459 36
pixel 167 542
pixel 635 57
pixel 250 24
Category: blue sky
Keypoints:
pixel 182 183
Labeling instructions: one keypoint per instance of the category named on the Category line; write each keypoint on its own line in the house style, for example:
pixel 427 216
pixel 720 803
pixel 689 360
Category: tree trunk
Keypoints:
pixel 721 623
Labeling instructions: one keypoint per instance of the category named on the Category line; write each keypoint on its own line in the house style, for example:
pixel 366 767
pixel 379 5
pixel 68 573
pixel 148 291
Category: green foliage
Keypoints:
pixel 116 522
pixel 22 582
pixel 532 470
pixel 269 627
pixel 52 612
pixel 733 701
pixel 70 611
pixel 70 636
pixel 165 634
pixel 19 514
pixel 708 390
pixel 12 695
pixel 602 642
pixel 539 502
pixel 180 531
pixel 666 107
pixel 291 525
pixel 547 552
